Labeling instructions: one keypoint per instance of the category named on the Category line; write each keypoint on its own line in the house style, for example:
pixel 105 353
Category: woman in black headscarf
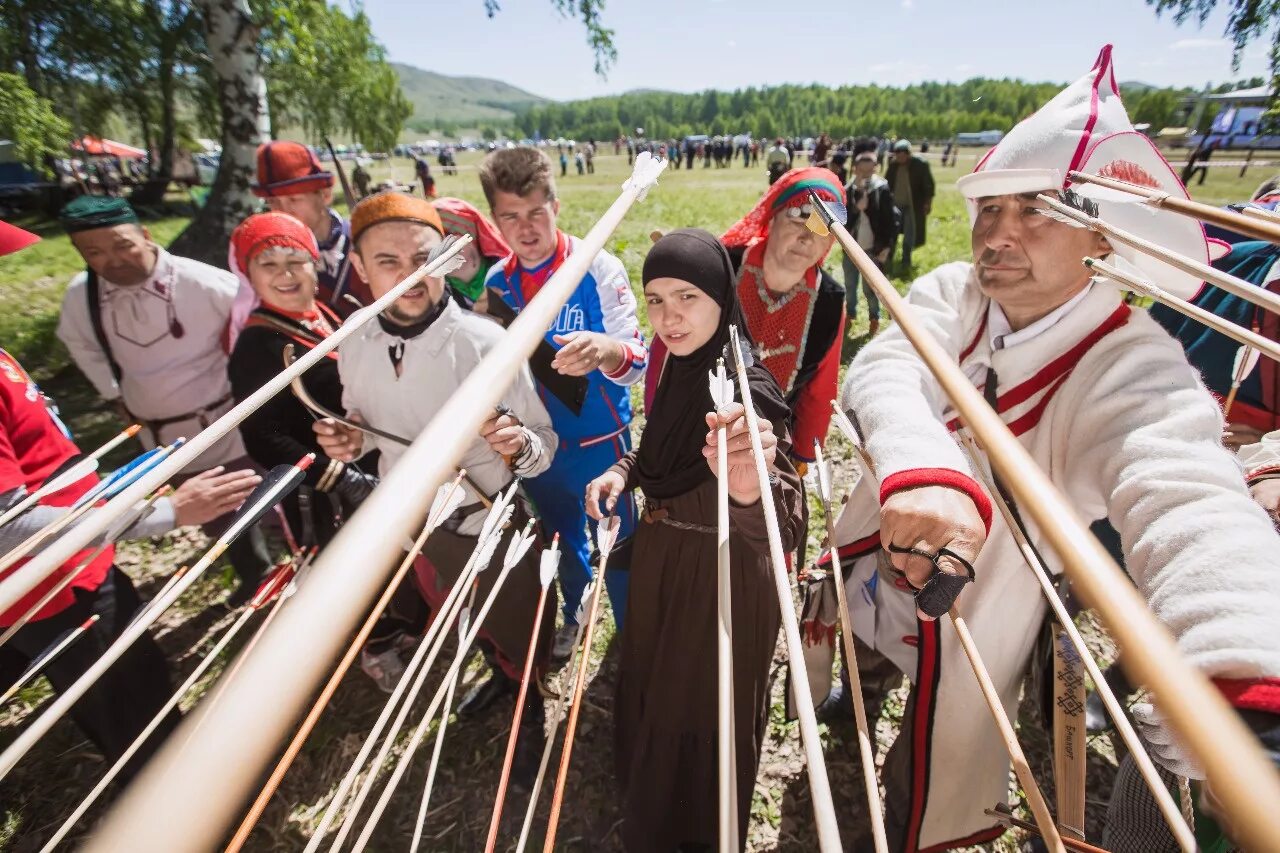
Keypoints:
pixel 665 709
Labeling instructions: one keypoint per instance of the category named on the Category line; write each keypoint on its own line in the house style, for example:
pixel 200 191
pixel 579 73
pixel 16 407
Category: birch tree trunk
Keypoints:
pixel 232 38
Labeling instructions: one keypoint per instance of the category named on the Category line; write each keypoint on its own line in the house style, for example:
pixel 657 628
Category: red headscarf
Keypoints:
pixel 791 190
pixel 268 231
pixel 256 234
pixel 779 324
pixel 461 217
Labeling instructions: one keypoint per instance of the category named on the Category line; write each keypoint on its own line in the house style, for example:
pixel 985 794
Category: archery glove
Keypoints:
pixel 352 486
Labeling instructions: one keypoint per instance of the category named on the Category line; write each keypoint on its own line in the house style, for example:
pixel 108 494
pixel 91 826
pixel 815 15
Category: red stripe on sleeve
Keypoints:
pixel 916 477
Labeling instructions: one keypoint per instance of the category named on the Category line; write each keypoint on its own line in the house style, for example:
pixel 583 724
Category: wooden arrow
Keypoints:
pixel 66 579
pixel 819 786
pixel 412 681
pixel 1258 229
pixel 17 585
pixel 78 471
pixel 269 589
pixel 549 562
pixel 515 553
pixel 866 750
pixel 1172 815
pixel 606 536
pixel 416 739
pixel 47 657
pixel 448 498
pixel 726 741
pixel 258 503
pixel 576 660
pixel 1246 360
pixel 1231 284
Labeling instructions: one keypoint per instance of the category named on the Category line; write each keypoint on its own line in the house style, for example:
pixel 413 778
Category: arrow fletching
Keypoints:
pixel 738 352
pixel 448 498
pixel 1246 360
pixel 607 535
pixel 496 510
pixel 123 476
pixel 582 602
pixel 280 481
pixel 453 263
pixel 549 562
pixel 824 474
pixel 489 546
pixel 845 425
pixel 464 623
pixel 519 545
pixel 644 174
pixel 721 386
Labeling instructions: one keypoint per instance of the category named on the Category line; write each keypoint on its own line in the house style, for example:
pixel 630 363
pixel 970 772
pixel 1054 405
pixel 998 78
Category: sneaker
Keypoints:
pixel 562 645
pixel 873 326
pixel 385 668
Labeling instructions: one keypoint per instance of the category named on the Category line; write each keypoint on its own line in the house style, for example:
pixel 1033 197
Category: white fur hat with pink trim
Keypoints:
pixel 1085 128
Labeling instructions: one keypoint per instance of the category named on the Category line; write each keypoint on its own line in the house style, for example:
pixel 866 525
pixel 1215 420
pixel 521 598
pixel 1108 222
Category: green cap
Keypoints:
pixel 96 211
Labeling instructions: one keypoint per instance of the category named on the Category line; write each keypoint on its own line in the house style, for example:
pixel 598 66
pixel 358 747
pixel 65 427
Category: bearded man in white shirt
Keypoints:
pixel 396 375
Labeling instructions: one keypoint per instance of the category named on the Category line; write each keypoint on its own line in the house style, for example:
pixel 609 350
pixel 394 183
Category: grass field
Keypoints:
pixel 49 782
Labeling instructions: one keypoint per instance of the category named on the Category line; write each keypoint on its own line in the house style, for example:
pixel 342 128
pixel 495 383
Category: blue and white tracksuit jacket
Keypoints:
pixel 592 441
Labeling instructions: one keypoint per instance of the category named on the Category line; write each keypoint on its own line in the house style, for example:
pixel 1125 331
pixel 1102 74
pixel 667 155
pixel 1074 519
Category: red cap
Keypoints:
pixel 288 168
pixel 13 238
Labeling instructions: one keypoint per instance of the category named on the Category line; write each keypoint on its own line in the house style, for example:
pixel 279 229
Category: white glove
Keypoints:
pixel 1167 748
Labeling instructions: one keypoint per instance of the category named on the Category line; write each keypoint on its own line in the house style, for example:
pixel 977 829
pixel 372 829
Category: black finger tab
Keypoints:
pixel 938 595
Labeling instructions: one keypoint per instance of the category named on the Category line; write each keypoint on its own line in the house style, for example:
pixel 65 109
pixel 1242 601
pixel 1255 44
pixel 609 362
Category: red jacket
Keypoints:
pixel 34 444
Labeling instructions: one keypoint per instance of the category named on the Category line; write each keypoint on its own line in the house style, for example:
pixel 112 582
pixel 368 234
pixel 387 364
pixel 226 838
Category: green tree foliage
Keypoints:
pixel 29 121
pixel 925 110
pixel 327 74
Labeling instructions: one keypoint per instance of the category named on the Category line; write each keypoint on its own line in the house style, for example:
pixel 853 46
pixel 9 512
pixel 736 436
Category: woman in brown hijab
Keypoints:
pixel 665 709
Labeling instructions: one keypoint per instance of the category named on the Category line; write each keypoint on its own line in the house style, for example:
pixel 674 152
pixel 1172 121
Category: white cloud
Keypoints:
pixel 908 4
pixel 1200 44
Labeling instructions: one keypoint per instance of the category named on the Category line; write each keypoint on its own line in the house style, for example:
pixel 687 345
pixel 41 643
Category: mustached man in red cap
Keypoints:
pixel 34 447
pixel 292 181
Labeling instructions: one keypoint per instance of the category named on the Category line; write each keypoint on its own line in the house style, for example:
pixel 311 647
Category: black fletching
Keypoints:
pixel 279 481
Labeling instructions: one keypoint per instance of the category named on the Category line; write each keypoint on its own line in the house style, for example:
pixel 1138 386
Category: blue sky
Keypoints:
pixel 690 45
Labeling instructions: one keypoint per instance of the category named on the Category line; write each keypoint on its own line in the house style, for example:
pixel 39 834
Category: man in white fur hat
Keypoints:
pixel 1105 401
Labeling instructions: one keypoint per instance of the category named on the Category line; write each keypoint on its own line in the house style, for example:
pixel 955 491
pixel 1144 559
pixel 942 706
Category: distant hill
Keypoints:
pixel 439 99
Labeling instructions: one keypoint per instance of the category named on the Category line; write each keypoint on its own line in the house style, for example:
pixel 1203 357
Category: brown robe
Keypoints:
pixel 666 705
